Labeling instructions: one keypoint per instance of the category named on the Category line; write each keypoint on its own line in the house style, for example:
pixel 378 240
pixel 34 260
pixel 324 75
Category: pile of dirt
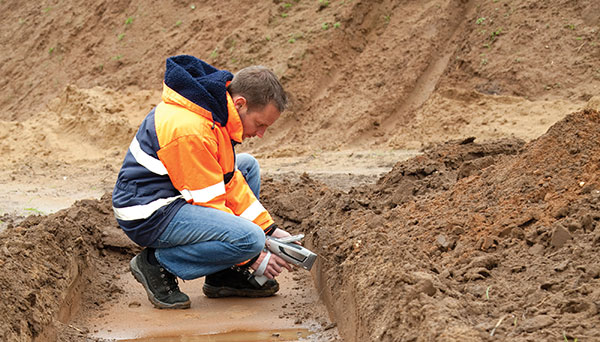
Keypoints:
pixel 53 266
pixel 362 73
pixel 468 242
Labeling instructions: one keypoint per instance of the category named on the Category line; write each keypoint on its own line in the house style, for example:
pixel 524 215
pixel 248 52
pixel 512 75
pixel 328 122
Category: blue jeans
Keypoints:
pixel 200 241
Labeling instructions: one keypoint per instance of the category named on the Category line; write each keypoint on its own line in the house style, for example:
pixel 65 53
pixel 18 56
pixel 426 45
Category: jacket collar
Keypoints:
pixel 234 123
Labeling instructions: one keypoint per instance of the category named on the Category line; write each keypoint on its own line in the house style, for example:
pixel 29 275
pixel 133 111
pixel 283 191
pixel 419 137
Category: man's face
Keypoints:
pixel 256 122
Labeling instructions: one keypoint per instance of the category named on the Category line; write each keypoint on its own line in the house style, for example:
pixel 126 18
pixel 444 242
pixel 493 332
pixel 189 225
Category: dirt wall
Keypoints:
pixel 468 242
pixel 53 266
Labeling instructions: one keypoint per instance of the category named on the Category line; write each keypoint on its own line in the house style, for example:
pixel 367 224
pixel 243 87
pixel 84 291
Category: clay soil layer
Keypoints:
pixel 441 156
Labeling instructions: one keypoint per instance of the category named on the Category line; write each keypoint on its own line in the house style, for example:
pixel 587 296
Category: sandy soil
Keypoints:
pixel 438 155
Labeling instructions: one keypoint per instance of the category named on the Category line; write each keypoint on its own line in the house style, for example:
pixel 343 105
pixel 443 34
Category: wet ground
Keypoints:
pixel 133 318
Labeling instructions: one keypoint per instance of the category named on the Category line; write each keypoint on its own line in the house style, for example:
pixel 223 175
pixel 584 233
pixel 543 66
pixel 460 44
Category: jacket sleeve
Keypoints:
pixel 192 164
pixel 243 203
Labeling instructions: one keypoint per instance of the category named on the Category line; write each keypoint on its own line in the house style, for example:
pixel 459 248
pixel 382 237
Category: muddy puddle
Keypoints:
pixel 295 313
pixel 234 336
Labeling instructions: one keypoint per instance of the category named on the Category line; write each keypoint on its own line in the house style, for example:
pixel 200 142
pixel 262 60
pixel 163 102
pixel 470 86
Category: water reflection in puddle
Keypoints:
pixel 233 336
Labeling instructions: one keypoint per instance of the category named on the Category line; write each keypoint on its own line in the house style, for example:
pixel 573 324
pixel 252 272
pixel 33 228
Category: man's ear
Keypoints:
pixel 239 102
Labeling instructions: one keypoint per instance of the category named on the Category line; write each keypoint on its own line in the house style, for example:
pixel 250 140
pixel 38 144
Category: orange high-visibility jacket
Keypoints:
pixel 184 152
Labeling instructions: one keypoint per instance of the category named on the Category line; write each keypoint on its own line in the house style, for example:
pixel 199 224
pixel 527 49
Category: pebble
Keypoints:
pixel 442 242
pixel 134 304
pixel 562 266
pixel 536 323
pixel 426 286
pixel 560 236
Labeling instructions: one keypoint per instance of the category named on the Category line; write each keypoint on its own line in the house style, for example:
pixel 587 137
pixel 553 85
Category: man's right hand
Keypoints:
pixel 274 267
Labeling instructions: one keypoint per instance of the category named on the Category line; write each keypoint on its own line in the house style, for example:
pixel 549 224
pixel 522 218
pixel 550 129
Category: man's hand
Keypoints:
pixel 274 267
pixel 276 264
pixel 280 233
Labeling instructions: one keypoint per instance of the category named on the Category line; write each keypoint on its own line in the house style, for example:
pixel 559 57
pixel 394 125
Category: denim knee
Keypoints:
pixel 257 236
pixel 248 163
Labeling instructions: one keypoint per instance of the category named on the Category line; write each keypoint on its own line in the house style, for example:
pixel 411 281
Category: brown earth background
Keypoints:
pixel 488 232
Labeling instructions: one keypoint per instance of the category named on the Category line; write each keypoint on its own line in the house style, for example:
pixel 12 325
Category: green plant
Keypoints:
pixel 294 37
pixel 117 57
pixel 34 210
pixel 21 21
pixel 47 9
pixel 268 38
pixel 325 26
pixel 121 36
pixel 192 6
pixel 129 21
pixel 386 18
pixel 495 34
pixel 337 25
pixel 487 292
pixel 570 26
pixel 566 339
pixel 179 22
pixel 287 5
pixel 214 54
pixel 233 43
pixel 323 4
pixel 51 50
pixel 284 15
pixel 480 21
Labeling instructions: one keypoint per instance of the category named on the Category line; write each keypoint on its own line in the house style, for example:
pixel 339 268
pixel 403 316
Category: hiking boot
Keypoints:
pixel 161 286
pixel 238 282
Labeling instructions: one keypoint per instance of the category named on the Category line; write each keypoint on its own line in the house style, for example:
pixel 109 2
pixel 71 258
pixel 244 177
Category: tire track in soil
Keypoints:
pixel 429 79
pixel 401 110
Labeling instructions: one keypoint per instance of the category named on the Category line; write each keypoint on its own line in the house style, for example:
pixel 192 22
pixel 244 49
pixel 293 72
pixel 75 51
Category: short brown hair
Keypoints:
pixel 260 86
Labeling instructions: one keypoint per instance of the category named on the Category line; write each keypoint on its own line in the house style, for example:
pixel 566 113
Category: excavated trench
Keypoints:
pixel 77 286
pixel 92 296
pixel 295 313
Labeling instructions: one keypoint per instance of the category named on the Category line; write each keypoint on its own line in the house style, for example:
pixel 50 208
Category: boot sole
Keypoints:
pixel 223 291
pixel 137 274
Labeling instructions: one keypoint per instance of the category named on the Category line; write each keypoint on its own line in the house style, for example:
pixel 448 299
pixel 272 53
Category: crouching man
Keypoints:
pixel 184 194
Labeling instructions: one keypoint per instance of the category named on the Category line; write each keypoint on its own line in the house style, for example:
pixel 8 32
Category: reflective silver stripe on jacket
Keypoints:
pixel 253 211
pixel 145 159
pixel 142 211
pixel 204 195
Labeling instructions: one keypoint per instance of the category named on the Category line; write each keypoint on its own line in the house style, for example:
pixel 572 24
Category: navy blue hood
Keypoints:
pixel 200 83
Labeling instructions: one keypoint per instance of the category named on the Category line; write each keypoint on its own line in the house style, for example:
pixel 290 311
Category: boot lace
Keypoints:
pixel 169 281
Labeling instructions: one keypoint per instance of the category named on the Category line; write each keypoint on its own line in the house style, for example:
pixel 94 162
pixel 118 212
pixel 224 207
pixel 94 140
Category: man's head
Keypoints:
pixel 259 99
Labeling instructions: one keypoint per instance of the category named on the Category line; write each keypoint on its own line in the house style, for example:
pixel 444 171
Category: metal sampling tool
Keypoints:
pixel 288 250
